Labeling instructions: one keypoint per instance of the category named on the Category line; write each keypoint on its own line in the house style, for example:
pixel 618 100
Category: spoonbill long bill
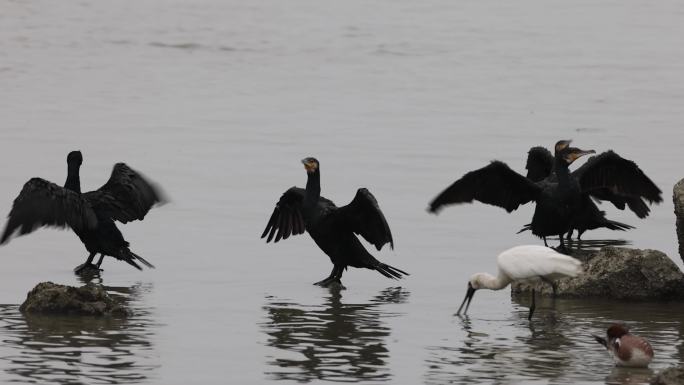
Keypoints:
pixel 523 263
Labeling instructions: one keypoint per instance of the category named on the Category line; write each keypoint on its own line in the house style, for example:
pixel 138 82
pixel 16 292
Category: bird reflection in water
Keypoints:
pixel 335 341
pixel 77 350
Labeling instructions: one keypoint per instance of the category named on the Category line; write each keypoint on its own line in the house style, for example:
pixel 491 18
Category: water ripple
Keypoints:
pixel 76 350
pixel 333 341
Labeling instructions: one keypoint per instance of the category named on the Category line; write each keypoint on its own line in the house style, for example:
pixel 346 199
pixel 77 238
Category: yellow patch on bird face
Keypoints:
pixel 310 166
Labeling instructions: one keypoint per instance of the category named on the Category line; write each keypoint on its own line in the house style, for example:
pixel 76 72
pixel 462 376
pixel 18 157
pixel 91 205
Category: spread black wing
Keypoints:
pixel 495 184
pixel 364 217
pixel 621 176
pixel 42 203
pixel 287 216
pixel 635 203
pixel 127 195
pixel 539 164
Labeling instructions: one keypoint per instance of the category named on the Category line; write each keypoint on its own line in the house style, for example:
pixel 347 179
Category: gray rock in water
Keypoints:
pixel 620 273
pixel 678 197
pixel 669 376
pixel 90 299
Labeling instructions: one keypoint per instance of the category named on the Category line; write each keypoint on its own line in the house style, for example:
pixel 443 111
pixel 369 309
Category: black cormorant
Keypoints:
pixel 557 199
pixel 588 216
pixel 126 197
pixel 333 228
pixel 540 166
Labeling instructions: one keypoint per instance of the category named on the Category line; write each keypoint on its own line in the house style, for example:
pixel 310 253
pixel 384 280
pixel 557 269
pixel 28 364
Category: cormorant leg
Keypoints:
pixel 561 248
pixel 545 244
pixel 532 307
pixel 88 263
pixel 330 278
pixel 100 261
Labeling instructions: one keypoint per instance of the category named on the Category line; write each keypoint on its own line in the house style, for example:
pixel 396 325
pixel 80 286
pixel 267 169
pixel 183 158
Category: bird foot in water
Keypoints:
pixel 87 268
pixel 330 283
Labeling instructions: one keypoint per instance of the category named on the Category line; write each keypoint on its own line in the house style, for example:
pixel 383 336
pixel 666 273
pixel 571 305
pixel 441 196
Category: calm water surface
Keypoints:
pixel 218 100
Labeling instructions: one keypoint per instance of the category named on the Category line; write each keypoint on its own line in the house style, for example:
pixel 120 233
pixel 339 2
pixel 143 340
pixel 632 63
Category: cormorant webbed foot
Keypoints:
pixel 86 268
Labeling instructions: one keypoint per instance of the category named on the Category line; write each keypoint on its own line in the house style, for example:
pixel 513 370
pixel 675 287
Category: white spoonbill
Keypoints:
pixel 523 263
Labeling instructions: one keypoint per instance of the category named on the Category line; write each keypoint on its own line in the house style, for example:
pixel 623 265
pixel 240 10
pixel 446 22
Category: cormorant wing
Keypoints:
pixel 635 203
pixel 539 163
pixel 621 176
pixel 43 203
pixel 364 217
pixel 287 216
pixel 495 184
pixel 126 196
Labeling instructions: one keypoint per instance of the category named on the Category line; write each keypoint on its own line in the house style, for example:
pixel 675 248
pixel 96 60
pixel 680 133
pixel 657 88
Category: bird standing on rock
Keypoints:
pixel 523 263
pixel 559 199
pixel 333 228
pixel 126 197
pixel 625 348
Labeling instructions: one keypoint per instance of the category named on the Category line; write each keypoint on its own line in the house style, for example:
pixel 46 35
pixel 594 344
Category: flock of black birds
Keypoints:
pixel 565 202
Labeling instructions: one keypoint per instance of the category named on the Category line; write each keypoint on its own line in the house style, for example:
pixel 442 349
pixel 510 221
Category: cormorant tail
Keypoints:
pixel 131 258
pixel 389 271
pixel 613 225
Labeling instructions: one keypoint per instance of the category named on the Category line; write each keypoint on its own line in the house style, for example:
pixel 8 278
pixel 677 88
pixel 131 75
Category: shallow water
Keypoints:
pixel 219 100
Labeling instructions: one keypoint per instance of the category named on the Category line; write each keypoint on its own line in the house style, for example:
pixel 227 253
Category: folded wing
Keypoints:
pixel 42 203
pixel 495 184
pixel 127 195
pixel 364 217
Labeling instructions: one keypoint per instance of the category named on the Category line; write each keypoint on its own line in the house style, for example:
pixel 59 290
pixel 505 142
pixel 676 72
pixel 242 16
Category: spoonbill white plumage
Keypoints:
pixel 626 348
pixel 523 263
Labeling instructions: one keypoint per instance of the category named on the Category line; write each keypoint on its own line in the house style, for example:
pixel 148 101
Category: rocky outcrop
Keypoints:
pixel 678 197
pixel 90 299
pixel 669 376
pixel 620 273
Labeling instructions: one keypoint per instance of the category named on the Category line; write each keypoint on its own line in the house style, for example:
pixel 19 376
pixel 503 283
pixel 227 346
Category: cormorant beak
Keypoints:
pixel 468 297
pixel 576 153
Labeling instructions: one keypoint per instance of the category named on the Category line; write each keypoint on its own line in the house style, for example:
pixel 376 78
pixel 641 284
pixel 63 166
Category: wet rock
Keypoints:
pixel 90 299
pixel 669 376
pixel 678 197
pixel 619 273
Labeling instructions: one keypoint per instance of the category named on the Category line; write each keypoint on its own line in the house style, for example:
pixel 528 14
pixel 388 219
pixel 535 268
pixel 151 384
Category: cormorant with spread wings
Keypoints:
pixel 126 197
pixel 540 166
pixel 333 228
pixel 559 199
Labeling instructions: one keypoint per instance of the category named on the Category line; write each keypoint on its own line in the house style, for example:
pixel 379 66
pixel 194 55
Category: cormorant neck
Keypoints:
pixel 488 281
pixel 73 182
pixel 313 188
pixel 561 168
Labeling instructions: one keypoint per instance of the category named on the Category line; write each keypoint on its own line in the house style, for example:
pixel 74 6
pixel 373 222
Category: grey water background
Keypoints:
pixel 219 100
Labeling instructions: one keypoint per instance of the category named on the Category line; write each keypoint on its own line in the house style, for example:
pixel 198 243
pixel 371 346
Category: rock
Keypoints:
pixel 669 376
pixel 678 197
pixel 619 273
pixel 90 299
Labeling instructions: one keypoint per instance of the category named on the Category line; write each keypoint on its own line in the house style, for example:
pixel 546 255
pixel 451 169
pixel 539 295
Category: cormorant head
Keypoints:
pixel 310 164
pixel 569 154
pixel 75 157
